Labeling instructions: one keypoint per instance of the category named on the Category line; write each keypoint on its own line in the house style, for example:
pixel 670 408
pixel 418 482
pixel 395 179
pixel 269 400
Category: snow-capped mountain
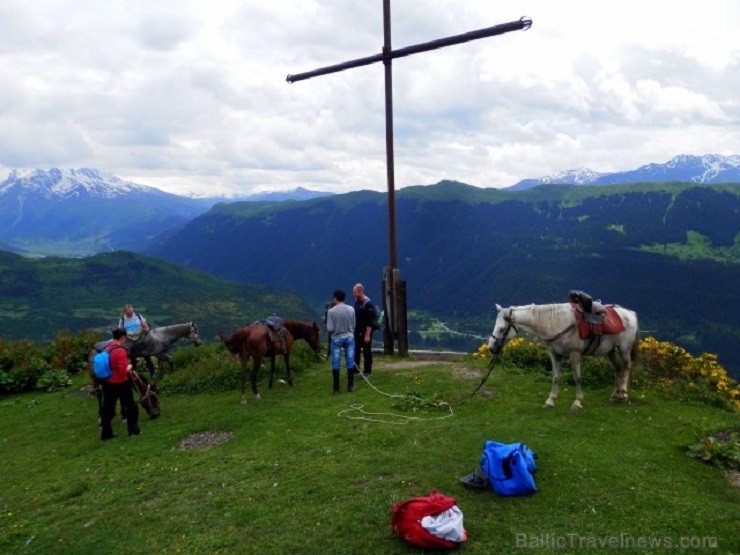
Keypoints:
pixel 581 176
pixel 69 183
pixel 76 212
pixel 82 211
pixel 707 169
pixel 297 193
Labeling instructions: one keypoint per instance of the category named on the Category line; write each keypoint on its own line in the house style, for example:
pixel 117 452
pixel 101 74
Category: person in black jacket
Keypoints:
pixel 364 318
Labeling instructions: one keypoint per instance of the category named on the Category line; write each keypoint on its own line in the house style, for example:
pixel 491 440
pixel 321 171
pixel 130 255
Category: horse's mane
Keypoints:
pixel 299 325
pixel 187 325
pixel 235 340
pixel 547 317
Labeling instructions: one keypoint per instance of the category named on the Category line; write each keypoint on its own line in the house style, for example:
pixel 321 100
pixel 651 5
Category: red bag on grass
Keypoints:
pixel 442 516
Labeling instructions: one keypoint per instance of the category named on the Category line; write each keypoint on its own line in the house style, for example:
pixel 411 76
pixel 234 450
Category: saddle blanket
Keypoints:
pixel 611 323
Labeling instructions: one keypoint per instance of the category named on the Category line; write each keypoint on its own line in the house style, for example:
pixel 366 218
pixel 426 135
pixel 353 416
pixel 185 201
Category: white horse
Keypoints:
pixel 556 325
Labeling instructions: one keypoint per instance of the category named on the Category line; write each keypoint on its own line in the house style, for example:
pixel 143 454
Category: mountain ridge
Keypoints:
pixel 706 169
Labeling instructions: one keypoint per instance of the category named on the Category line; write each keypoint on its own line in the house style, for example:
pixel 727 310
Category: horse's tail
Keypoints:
pixel 635 350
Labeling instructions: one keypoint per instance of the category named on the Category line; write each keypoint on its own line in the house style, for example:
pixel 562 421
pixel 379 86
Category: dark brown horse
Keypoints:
pixel 257 341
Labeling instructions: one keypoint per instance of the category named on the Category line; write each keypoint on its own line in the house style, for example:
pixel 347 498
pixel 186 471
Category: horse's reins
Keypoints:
pixel 510 325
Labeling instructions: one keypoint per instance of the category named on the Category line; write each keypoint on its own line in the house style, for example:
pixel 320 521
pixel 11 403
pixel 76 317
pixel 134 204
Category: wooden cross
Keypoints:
pixel 394 290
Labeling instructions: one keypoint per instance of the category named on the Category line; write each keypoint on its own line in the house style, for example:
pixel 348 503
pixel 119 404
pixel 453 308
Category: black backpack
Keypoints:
pixel 376 318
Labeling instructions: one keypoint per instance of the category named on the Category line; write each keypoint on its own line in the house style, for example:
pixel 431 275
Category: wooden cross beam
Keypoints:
pixel 397 308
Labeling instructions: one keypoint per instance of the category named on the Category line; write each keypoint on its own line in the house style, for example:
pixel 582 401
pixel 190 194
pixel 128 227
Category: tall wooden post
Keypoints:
pixel 393 288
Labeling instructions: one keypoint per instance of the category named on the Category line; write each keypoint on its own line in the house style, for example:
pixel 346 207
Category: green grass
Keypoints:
pixel 299 478
pixel 698 247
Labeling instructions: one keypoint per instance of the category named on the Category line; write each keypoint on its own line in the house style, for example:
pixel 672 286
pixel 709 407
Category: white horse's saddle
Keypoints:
pixel 593 311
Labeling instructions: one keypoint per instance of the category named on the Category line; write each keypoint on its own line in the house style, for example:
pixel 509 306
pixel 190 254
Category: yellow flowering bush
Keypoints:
pixel 525 354
pixel 669 367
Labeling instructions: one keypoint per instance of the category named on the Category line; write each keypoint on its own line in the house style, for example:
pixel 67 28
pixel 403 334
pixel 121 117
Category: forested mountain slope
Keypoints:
pixel 40 297
pixel 669 251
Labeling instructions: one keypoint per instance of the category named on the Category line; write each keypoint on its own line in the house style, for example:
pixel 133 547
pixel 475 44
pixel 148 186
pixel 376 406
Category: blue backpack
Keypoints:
pixel 509 467
pixel 101 364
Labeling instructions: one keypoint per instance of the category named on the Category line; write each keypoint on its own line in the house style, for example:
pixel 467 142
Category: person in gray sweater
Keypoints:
pixel 340 324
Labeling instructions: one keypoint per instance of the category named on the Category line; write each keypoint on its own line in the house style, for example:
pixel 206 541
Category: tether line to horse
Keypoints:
pixel 402 419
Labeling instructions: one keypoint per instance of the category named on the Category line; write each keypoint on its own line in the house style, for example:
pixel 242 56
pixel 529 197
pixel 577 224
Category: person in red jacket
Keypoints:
pixel 118 386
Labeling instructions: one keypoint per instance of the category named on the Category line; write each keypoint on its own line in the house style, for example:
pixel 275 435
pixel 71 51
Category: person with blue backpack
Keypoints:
pixel 117 386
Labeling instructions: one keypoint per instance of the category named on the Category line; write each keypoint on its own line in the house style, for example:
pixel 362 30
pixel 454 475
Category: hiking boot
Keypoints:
pixel 335 376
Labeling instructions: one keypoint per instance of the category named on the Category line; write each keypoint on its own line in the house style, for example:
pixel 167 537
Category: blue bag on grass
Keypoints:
pixel 509 467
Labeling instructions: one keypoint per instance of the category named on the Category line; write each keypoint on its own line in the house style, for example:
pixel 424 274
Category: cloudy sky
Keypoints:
pixel 191 97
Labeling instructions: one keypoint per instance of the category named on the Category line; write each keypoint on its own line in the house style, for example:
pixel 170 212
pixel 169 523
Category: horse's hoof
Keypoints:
pixel 243 401
pixel 258 397
pixel 548 406
pixel 575 407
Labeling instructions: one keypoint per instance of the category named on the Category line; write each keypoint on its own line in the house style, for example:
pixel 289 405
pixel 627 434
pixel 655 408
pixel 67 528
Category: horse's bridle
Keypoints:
pixel 498 343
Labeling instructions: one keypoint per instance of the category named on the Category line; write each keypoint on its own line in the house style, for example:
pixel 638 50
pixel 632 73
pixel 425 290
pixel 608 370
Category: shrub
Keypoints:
pixel 24 366
pixel 668 367
pixel 720 448
pixel 70 352
pixel 54 380
pixel 519 352
pixel 21 365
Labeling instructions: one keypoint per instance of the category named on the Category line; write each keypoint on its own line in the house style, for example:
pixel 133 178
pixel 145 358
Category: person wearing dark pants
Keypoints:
pixel 118 386
pixel 340 324
pixel 364 318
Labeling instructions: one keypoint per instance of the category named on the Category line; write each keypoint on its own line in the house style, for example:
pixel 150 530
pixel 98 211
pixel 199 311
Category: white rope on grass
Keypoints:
pixel 401 419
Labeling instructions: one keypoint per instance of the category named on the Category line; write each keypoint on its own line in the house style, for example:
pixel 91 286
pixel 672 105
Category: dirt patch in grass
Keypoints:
pixel 459 370
pixel 203 440
pixel 86 391
pixel 733 476
pixel 403 364
pixel 462 371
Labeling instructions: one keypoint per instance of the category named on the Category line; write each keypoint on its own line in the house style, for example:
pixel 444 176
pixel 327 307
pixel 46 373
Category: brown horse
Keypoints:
pixel 310 333
pixel 256 341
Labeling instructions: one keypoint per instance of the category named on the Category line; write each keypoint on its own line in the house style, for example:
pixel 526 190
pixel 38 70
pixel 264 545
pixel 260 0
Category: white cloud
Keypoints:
pixel 191 96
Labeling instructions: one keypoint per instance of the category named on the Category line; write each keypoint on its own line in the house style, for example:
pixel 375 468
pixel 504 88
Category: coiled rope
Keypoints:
pixel 389 417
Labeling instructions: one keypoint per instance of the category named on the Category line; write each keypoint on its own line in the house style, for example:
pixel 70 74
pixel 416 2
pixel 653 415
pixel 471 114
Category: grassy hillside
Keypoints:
pixel 307 472
pixel 42 296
